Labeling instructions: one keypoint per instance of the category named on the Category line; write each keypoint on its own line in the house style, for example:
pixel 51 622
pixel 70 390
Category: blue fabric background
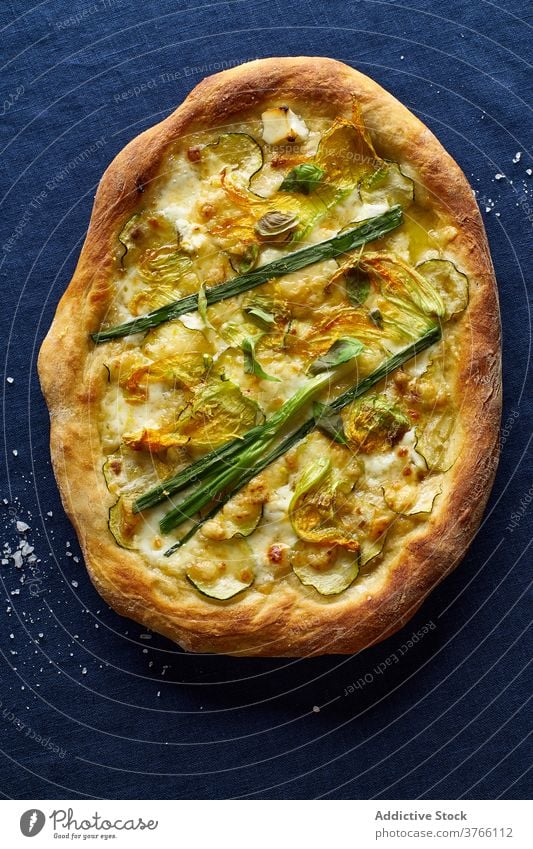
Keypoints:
pixel 132 716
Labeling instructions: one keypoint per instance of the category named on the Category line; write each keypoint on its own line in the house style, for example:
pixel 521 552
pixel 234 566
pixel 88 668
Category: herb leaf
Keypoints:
pixel 341 351
pixel 357 286
pixel 261 310
pixel 329 423
pixel 303 179
pixel 376 317
pixel 251 365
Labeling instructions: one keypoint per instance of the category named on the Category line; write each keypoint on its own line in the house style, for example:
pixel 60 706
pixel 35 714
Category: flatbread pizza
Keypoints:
pixel 274 379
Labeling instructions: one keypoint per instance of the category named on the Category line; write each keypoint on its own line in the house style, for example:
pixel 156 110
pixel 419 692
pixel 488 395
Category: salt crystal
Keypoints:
pixel 517 157
pixel 529 172
pixel 84 671
pixel 22 527
pixel 15 452
pixel 499 176
pixel 316 709
pixel 75 584
pixel 49 513
pixel 10 379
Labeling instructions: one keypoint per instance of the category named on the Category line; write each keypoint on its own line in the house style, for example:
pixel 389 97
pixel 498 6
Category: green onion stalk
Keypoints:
pixel 363 232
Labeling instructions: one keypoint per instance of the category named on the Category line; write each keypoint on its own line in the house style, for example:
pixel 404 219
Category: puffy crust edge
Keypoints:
pixel 290 621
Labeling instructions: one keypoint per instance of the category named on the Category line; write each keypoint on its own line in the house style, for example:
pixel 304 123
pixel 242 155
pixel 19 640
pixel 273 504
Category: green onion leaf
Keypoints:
pixel 202 306
pixel 261 311
pixel 251 365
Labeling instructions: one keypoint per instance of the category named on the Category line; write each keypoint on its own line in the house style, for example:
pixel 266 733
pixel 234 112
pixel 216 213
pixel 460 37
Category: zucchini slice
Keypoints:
pixel 229 571
pixel 400 283
pixel 126 235
pixel 113 472
pixel 329 569
pixel 244 258
pixel 128 472
pixel 433 441
pixel 146 231
pixel 239 153
pixel 371 548
pixel 449 282
pixel 174 338
pixel 387 185
pixel 411 500
pixel 123 523
pixel 239 518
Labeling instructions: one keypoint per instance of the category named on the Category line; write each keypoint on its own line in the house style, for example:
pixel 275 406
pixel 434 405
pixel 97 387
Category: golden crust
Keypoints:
pixel 291 620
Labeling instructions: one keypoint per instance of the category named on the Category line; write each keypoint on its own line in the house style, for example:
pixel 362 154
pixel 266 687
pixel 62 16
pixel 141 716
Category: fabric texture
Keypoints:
pixel 91 704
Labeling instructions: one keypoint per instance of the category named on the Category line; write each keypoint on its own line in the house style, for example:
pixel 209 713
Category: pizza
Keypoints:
pixel 274 379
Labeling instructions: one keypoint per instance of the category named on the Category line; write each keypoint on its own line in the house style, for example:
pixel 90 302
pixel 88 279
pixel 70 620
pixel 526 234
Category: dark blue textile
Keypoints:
pixel 92 706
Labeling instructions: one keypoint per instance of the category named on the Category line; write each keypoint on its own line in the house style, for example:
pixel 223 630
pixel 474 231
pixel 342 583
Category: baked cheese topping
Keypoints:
pixel 325 513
